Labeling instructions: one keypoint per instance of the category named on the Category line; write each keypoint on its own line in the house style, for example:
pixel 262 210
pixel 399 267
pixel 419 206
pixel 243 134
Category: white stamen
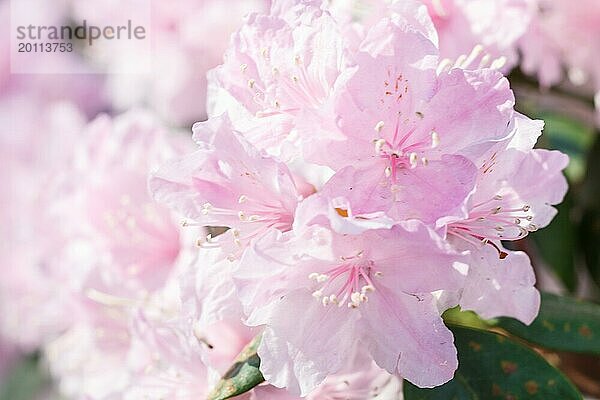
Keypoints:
pixel 413 159
pixel 367 288
pixel 379 143
pixel 444 66
pixel 498 63
pixel 388 172
pixel 242 216
pixel 379 126
pixel 243 198
pixel 435 139
pixel 485 61
pixel 243 67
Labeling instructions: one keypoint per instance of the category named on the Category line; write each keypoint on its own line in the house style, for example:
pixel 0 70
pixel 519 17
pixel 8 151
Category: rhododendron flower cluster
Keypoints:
pixel 366 189
pixel 356 175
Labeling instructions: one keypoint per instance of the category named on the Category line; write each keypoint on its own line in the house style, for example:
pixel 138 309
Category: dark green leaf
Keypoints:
pixel 557 243
pixel 243 375
pixel 571 137
pixel 491 367
pixel 563 324
pixel 589 230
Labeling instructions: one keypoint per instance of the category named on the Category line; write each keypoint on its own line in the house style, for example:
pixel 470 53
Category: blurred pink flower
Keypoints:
pixel 187 38
pixel 37 288
pixel 561 37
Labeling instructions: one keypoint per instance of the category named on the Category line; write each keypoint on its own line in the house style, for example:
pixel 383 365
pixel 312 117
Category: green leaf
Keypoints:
pixel 243 375
pixel 557 243
pixel 589 230
pixel 25 381
pixel 563 324
pixel 571 137
pixel 491 367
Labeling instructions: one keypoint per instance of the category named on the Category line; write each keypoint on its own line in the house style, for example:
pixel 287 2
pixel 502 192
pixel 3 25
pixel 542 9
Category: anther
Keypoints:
pixel 435 139
pixel 413 159
pixel 367 288
pixel 243 198
pixel 379 143
pixel 243 67
pixel 379 126
pixel 251 83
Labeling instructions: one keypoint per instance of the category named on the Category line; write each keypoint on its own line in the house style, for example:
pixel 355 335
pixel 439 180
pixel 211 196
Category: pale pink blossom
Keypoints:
pixel 372 288
pixel 403 138
pixel 277 68
pixel 515 193
pixel 228 182
pixel 469 32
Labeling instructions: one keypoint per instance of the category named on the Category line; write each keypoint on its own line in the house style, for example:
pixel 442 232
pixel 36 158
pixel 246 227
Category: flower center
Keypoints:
pixel 400 155
pixel 495 219
pixel 348 283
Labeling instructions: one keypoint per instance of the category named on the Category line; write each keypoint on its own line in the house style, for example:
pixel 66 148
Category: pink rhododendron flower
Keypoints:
pixel 228 182
pixel 473 33
pixel 515 191
pixel 277 68
pixel 371 288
